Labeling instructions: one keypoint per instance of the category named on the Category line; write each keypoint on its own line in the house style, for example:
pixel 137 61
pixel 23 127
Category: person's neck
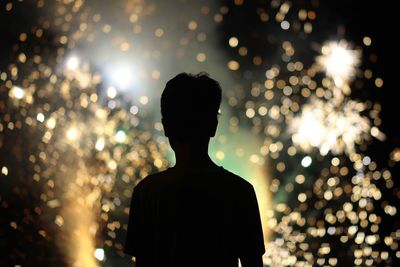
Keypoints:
pixel 192 155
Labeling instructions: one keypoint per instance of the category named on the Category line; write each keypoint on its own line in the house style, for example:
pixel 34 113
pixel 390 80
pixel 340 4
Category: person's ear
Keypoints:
pixel 166 127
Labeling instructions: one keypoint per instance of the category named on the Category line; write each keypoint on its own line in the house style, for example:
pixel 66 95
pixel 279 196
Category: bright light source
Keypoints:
pixel 40 117
pixel 323 126
pixel 339 61
pixel 4 170
pixel 143 100
pixel 122 77
pixel 99 144
pixel 120 136
pixel 72 133
pixel 134 110
pixel 17 92
pixel 51 123
pixel 99 254
pixel 311 127
pixel 73 63
pixel 285 25
pixel 233 41
pixel 306 161
pixel 111 92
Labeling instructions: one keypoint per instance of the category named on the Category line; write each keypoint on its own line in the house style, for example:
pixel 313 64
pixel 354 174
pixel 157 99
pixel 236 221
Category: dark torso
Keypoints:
pixel 190 217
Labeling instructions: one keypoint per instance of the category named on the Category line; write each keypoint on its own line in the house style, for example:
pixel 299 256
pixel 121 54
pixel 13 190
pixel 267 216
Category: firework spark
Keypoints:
pixel 328 128
pixel 82 123
pixel 339 62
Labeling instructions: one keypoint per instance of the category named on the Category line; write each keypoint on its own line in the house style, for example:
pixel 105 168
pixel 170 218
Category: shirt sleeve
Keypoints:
pixel 135 224
pixel 251 240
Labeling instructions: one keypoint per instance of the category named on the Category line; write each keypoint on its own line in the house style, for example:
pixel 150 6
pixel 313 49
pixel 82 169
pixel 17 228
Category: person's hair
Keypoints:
pixel 189 105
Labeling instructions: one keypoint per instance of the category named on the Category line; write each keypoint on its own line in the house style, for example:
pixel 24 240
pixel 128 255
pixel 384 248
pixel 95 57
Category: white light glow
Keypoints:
pixel 122 77
pixel 330 128
pixel 51 123
pixel 99 254
pixel 40 117
pixel 111 92
pixel 73 63
pixel 100 144
pixel 338 61
pixel 120 136
pixel 17 92
pixel 72 133
pixel 306 161
pixel 4 170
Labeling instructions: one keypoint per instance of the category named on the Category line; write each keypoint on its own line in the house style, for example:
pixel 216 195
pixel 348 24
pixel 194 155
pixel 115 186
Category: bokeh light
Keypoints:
pixel 302 118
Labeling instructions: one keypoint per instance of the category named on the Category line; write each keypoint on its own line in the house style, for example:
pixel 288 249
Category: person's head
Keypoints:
pixel 189 107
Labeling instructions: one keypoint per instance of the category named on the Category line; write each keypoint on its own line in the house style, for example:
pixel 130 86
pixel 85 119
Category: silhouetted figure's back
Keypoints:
pixel 195 213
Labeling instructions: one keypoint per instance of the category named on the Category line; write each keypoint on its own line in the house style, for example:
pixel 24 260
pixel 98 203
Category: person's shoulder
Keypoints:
pixel 152 179
pixel 236 180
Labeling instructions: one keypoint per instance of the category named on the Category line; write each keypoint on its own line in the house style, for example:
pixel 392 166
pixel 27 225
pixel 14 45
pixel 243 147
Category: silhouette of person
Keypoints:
pixel 195 213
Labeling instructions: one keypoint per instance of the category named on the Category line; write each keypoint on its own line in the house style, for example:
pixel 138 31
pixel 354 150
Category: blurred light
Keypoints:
pixel 59 220
pixel 300 179
pixel 192 25
pixel 4 170
pixel 302 14
pixel 143 100
pixel 122 77
pixel 220 155
pixel 233 65
pixel 366 160
pixel 395 154
pixel 250 113
pixel 155 74
pixel 306 161
pixel 310 128
pixel 302 197
pixel 375 132
pixel 367 41
pixel 285 25
pixel 307 27
pixel 100 144
pixel 339 61
pixel 159 32
pixel 40 117
pixel 242 51
pixel 73 63
pixel 134 110
pixel 330 124
pixel 201 57
pixel 72 133
pixel 51 123
pixel 378 82
pixel 120 136
pixel 335 161
pixel 99 254
pixel 233 41
pixel 331 128
pixel 111 92
pixel 17 92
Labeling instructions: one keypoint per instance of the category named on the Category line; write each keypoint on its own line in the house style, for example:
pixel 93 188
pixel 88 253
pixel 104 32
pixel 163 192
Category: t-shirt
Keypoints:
pixel 198 217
